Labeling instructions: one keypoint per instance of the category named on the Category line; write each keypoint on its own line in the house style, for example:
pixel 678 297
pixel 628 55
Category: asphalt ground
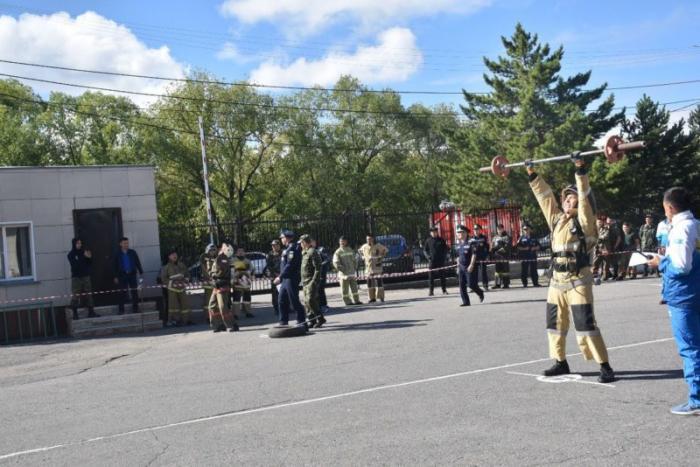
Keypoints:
pixel 415 380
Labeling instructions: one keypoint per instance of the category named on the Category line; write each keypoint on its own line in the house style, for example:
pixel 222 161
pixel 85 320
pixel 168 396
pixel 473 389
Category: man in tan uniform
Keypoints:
pixel 345 263
pixel 574 236
pixel 175 276
pixel 373 254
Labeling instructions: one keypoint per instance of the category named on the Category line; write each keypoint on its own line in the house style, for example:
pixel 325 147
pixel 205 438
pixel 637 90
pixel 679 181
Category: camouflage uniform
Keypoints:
pixel 241 280
pixel 601 261
pixel 310 279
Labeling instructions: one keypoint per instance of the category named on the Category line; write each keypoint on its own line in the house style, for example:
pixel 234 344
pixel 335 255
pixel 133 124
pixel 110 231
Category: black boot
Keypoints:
pixel 320 321
pixel 75 314
pixel 607 375
pixel 559 368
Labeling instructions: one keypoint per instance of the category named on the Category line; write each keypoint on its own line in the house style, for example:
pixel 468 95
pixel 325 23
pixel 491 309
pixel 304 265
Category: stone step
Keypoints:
pixel 127 328
pixel 109 310
pixel 116 320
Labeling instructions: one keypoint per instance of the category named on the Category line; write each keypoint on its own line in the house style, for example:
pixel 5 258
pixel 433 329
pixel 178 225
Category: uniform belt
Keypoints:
pixel 572 284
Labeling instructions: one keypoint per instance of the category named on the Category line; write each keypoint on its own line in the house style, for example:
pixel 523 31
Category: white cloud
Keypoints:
pixel 308 16
pixel 88 41
pixel 395 58
pixel 229 51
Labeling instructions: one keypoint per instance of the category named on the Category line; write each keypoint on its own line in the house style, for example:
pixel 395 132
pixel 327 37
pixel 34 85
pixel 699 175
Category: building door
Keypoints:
pixel 100 230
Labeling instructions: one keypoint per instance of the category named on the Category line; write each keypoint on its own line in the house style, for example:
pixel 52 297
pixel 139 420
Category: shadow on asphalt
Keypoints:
pixel 643 374
pixel 506 302
pixel 394 324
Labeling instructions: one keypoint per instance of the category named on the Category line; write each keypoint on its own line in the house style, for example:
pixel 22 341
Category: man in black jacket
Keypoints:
pixel 80 269
pixel 436 250
pixel 127 266
pixel 481 245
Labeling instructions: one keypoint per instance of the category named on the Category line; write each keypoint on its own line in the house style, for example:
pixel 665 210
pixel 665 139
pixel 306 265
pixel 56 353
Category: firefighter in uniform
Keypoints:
pixel 311 280
pixel 241 281
pixel 175 275
pixel 345 262
pixel 373 254
pixel 500 247
pixel 206 261
pixel 220 316
pixel 574 234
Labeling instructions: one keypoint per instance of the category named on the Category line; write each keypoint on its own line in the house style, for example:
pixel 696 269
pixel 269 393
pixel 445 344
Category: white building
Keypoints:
pixel 43 208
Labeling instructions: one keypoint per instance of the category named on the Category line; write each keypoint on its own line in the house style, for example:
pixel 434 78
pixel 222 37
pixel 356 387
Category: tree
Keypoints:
pixel 670 158
pixel 20 138
pixel 531 112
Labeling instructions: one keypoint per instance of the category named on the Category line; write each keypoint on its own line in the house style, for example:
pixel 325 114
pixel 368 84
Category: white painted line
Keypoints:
pixel 570 378
pixel 305 402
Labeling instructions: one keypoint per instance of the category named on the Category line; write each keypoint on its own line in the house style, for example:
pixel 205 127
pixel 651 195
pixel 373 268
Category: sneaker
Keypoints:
pixel 607 375
pixel 464 304
pixel 481 298
pixel 686 409
pixel 559 368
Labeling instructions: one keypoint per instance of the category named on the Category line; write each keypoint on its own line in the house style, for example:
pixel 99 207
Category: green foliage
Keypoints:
pixel 531 112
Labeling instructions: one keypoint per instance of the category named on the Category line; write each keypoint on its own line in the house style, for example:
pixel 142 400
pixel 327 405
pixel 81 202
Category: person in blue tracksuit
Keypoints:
pixel 466 266
pixel 680 267
pixel 290 278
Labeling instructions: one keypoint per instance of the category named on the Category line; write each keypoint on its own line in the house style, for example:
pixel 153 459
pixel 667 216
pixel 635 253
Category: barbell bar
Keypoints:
pixel 614 150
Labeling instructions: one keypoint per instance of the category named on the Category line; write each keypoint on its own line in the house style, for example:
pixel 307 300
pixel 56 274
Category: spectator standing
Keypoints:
pixel 647 238
pixel 81 284
pixel 373 254
pixel 325 265
pixel 274 260
pixel 436 250
pixel 481 245
pixel 630 243
pixel 127 267
pixel 345 262
pixel 174 275
pixel 500 248
pixel 528 246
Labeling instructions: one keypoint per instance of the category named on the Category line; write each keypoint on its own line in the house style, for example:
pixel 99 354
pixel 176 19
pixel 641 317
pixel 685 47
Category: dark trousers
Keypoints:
pixel 481 267
pixel 275 299
pixel 528 268
pixel 437 274
pixel 322 300
pixel 128 281
pixel 288 300
pixel 467 279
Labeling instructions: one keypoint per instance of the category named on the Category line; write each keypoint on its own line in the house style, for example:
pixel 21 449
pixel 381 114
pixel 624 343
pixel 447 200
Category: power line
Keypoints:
pixel 305 88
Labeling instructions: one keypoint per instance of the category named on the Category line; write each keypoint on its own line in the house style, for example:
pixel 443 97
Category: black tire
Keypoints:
pixel 287 331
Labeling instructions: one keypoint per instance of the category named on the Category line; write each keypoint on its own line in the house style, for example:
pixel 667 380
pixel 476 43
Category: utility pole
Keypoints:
pixel 205 174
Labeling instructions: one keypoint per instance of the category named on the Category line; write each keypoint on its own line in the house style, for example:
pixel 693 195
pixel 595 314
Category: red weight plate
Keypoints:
pixel 612 154
pixel 498 166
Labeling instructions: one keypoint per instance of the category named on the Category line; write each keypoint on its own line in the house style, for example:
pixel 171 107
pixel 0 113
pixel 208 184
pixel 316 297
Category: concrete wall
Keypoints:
pixel 47 197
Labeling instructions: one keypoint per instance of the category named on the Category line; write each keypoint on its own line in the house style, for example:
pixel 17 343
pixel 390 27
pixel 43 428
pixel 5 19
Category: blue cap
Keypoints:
pixel 286 233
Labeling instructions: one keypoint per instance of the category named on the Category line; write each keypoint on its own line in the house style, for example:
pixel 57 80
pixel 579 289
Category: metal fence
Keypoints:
pixel 20 323
pixel 410 228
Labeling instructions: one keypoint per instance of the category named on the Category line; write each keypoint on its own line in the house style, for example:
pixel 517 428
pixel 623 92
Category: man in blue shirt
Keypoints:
pixel 127 266
pixel 290 278
pixel 466 266
pixel 681 271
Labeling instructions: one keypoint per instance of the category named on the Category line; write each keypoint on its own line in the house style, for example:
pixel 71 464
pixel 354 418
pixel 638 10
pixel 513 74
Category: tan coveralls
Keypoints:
pixel 570 291
pixel 373 255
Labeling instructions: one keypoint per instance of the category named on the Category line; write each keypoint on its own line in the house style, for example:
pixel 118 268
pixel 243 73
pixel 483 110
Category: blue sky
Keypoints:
pixel 404 45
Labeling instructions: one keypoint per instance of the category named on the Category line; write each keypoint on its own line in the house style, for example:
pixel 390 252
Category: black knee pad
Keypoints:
pixel 552 315
pixel 583 317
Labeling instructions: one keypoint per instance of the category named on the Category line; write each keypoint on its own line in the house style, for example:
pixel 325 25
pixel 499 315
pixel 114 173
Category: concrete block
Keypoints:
pixel 141 181
pixel 45 184
pixel 116 202
pixel 142 233
pixel 66 182
pixel 50 266
pixel 140 208
pixel 15 184
pixel 49 239
pixel 47 212
pixel 87 183
pixel 114 182
pixel 89 202
pixel 16 210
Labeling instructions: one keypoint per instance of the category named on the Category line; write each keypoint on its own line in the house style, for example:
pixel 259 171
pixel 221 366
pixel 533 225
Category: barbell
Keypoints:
pixel 614 150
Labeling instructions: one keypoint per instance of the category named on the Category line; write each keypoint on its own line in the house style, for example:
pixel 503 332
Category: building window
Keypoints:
pixel 16 252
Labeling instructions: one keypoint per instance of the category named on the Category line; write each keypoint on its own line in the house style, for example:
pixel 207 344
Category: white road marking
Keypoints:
pixel 571 378
pixel 305 402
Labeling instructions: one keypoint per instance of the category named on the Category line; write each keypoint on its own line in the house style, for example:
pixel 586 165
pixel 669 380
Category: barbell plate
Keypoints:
pixel 612 150
pixel 498 166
